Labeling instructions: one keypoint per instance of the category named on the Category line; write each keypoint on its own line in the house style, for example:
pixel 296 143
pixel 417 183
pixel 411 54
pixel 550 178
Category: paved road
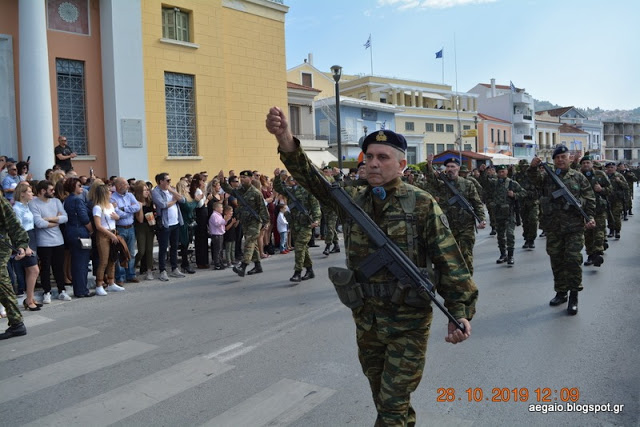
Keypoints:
pixel 213 349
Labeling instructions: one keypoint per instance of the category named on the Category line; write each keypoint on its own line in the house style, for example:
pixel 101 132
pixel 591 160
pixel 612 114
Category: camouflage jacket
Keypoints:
pixel 498 198
pixel 619 187
pixel 11 231
pixel 532 197
pixel 434 240
pixel 557 214
pixel 476 183
pixel 254 199
pixel 307 200
pixel 599 177
pixel 457 216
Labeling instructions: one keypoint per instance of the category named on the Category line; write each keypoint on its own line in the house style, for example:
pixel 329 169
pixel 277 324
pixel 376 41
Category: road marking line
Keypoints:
pixel 129 399
pixel 223 350
pixel 18 348
pixel 278 404
pixel 73 367
pixel 35 320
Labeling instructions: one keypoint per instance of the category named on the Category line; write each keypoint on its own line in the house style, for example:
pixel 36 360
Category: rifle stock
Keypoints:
pixel 387 254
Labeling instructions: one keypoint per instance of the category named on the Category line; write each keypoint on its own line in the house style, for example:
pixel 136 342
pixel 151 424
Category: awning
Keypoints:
pixel 426 95
pixel 321 158
pixel 502 159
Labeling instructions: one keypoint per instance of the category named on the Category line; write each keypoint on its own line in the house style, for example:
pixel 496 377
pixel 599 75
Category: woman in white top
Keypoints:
pixel 22 196
pixel 105 219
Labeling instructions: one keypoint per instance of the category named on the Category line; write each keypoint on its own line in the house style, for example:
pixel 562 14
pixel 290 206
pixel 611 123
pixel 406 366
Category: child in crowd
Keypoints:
pixel 283 229
pixel 229 236
pixel 216 231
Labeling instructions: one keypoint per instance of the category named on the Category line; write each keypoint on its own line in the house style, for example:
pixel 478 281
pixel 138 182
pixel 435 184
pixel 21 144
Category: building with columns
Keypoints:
pixel 593 128
pixel 139 87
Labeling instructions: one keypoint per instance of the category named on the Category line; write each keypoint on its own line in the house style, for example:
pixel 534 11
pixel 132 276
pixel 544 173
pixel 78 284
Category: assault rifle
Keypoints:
pixel 459 199
pixel 564 192
pixel 387 254
pixel 516 206
pixel 245 204
pixel 296 204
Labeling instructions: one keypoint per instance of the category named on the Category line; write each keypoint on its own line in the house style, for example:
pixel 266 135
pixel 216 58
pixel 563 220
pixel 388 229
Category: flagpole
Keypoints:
pixel 371 54
pixel 442 50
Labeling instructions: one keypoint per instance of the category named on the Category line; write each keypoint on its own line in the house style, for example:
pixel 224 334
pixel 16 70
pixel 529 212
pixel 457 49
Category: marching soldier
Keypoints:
pixel 631 178
pixel 528 206
pixel 617 199
pixel 502 195
pixel 594 237
pixel 462 222
pixel 330 218
pixel 253 215
pixel 564 225
pixel 487 173
pixel 305 213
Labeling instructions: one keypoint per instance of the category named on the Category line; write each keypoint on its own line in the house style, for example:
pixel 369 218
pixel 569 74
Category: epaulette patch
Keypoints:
pixel 444 220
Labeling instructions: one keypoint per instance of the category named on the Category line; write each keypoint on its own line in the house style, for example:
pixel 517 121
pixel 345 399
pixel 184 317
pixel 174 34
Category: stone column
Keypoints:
pixel 36 117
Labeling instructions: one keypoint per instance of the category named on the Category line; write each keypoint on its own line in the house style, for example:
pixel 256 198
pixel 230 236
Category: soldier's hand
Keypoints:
pixel 482 225
pixel 535 162
pixel 277 123
pixel 21 254
pixel 510 193
pixel 597 188
pixel 590 225
pixel 455 335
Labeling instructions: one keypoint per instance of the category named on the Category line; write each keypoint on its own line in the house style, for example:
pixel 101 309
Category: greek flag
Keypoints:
pixel 627 137
pixel 367 45
pixel 513 88
pixel 439 53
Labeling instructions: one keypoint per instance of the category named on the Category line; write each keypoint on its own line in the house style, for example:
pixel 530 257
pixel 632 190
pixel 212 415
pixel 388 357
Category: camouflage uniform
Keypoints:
pixel 301 223
pixel 631 178
pixel 594 238
pixel 462 223
pixel 529 205
pixel 564 226
pixel 505 214
pixel 486 197
pixel 619 190
pixel 330 219
pixel 392 338
pixel 14 234
pixel 250 226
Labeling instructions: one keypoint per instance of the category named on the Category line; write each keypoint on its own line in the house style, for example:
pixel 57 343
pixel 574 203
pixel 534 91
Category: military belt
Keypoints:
pixel 378 290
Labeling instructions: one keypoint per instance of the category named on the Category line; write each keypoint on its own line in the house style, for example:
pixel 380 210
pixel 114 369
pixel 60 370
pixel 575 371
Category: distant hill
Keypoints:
pixel 596 113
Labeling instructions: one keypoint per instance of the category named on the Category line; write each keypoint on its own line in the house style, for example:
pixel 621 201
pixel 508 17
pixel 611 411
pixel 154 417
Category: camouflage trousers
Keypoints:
pixel 7 296
pixel 616 212
pixel 505 227
pixel 529 216
pixel 466 238
pixel 594 238
pixel 492 216
pixel 250 246
pixel 330 218
pixel 301 243
pixel 392 347
pixel 565 252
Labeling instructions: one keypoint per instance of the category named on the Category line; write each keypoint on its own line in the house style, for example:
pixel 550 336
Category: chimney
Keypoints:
pixel 310 60
pixel 493 88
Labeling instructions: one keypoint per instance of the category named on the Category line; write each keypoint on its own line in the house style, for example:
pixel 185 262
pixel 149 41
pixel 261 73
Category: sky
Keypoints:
pixel 582 53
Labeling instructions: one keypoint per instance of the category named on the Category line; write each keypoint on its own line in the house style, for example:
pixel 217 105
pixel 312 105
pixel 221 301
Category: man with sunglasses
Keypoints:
pixel 64 154
pixel 10 182
pixel 166 198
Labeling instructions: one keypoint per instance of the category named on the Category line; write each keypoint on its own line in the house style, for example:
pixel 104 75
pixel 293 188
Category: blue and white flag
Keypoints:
pixel 439 53
pixel 513 88
pixel 367 45
pixel 627 137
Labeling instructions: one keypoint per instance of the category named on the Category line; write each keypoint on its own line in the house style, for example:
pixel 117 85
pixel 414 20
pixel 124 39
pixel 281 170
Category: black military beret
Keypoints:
pixel 585 157
pixel 246 173
pixel 622 164
pixel 560 149
pixel 523 162
pixel 501 167
pixel 609 164
pixel 360 164
pixel 452 160
pixel 327 168
pixel 386 137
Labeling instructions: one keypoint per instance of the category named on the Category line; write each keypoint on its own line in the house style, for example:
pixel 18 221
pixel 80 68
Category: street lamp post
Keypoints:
pixel 337 73
pixel 475 125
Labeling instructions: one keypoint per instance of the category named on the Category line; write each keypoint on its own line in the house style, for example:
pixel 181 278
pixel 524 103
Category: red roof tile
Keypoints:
pixel 555 112
pixel 291 85
pixel 493 119
pixel 565 128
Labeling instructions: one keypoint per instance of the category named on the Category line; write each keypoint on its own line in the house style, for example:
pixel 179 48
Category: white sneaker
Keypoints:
pixel 163 276
pixel 63 296
pixel 176 273
pixel 114 288
pixel 46 298
pixel 100 291
pixel 150 275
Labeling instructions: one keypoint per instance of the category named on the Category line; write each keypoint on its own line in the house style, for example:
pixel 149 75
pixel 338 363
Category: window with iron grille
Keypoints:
pixel 72 116
pixel 408 126
pixel 439 127
pixel 428 127
pixel 450 128
pixel 180 103
pixel 411 155
pixel 175 24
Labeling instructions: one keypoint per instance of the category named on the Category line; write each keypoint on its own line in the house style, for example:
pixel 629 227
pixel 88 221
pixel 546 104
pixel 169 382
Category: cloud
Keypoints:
pixel 403 5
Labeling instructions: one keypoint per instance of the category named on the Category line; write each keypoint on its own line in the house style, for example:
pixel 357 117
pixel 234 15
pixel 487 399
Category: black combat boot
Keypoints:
pixel 624 216
pixel 327 250
pixel 312 243
pixel 561 297
pixel 605 245
pixel 309 274
pixel 503 257
pixel 526 245
pixel 510 260
pixel 611 233
pixel 572 307
pixel 493 232
pixel 630 213
pixel 240 269
pixel 336 248
pixel 296 277
pixel 15 330
pixel 598 259
pixel 256 269
pixel 589 261
pixel 531 244
pixel 617 235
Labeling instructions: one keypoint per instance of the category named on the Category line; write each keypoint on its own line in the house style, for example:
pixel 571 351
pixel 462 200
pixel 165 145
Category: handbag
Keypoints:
pixel 85 242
